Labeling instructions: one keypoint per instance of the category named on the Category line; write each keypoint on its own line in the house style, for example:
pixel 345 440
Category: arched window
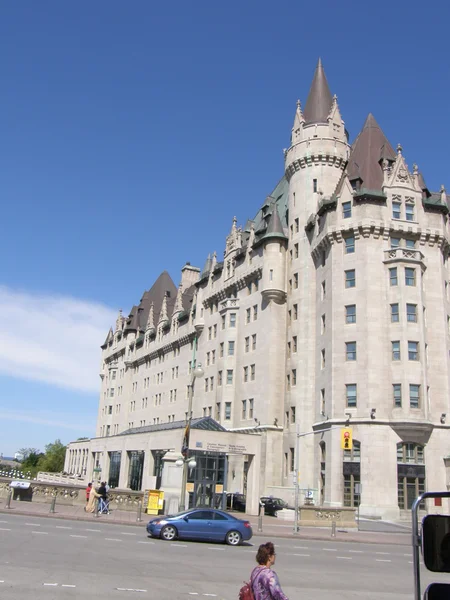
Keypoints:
pixel 351 468
pixel 410 473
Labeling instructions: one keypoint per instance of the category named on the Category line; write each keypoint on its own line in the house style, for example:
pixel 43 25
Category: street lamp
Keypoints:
pixel 185 461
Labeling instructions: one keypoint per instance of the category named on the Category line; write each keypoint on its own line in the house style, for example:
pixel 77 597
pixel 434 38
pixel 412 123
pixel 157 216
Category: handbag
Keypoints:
pixel 246 591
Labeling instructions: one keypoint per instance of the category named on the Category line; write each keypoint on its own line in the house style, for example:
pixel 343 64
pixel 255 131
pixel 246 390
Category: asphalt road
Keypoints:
pixel 44 559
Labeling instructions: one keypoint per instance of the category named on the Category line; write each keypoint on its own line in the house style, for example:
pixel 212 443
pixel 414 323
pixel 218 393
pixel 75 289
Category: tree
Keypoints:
pixel 32 459
pixel 53 459
pixel 25 452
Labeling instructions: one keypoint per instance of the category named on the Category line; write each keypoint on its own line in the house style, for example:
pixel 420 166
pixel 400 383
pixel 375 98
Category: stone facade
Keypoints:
pixel 330 308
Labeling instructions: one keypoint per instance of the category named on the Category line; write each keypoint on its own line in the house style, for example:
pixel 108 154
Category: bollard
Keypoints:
pixel 8 499
pixel 260 516
pixel 96 508
pixel 139 510
pixel 52 505
pixel 333 528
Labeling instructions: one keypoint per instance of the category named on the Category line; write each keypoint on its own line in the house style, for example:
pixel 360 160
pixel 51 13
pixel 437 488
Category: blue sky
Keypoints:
pixel 132 133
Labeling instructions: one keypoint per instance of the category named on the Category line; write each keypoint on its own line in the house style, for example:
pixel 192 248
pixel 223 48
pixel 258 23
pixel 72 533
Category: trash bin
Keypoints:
pixel 21 490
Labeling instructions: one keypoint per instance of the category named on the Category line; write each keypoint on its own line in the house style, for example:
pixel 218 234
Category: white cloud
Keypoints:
pixel 53 339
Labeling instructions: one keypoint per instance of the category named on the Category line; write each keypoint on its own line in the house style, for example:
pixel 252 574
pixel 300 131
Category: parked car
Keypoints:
pixel 201 524
pixel 236 502
pixel 273 505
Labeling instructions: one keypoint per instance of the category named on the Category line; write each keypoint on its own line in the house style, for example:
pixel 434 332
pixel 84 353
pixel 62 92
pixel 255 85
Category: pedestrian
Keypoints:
pixel 103 506
pixel 264 580
pixel 93 495
pixel 88 492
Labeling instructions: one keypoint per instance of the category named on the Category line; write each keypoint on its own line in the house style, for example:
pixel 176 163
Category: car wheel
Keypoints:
pixel 233 538
pixel 168 533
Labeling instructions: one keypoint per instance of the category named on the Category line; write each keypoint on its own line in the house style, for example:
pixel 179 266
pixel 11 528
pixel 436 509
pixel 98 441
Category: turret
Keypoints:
pixel 274 273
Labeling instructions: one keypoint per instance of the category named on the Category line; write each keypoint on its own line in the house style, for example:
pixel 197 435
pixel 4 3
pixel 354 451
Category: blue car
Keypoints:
pixel 201 524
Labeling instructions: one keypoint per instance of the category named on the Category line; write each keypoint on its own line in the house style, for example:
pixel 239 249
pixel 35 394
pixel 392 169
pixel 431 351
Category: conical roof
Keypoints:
pixel 274 226
pixel 370 147
pixel 320 100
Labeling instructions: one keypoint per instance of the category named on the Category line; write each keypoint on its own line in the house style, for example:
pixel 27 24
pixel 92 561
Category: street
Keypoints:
pixel 42 558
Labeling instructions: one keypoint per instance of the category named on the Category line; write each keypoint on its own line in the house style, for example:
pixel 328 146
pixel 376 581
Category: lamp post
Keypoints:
pixel 185 461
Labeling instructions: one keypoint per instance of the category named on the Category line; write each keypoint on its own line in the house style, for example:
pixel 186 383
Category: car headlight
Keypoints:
pixel 162 522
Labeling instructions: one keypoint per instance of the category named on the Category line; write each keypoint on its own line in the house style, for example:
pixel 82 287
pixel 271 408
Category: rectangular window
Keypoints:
pixel 395 350
pixel 346 210
pixel 395 317
pixel 217 411
pixel 395 242
pixel 231 348
pixel 247 344
pixel 411 313
pixel 322 359
pixel 221 349
pixel 250 408
pixel 288 381
pixel 393 278
pixel 111 392
pixel 254 341
pixel 350 278
pixel 350 390
pixel 255 312
pixel 350 350
pixel 397 390
pixel 413 350
pixel 350 313
pixel 227 411
pixel 349 245
pixel 323 290
pixel 252 372
pixel 206 384
pixel 245 374
pixel 294 376
pixel 286 418
pixel 295 250
pixel 208 354
pixel 294 343
pixel 211 385
pixel 409 212
pixel 295 281
pixel 322 401
pixel 229 376
pixel 219 378
pixel 292 459
pixel 296 225
pixel 213 359
pixel 292 414
pixel 209 333
pixel 410 276
pixel 232 319
pixel 295 311
pixel 247 315
pixel 410 243
pixel 396 210
pixel 315 186
pixel 414 395
pixel 322 324
pixel 244 409
pixel 223 321
pixel 215 331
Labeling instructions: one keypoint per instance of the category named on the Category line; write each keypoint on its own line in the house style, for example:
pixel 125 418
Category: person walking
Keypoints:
pixel 93 495
pixel 88 492
pixel 103 506
pixel 263 580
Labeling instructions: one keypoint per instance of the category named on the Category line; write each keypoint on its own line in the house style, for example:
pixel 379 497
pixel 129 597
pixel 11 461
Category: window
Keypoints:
pixel 217 411
pixel 393 278
pixel 295 281
pixel 255 312
pixel 231 348
pixel 410 480
pixel 229 376
pixel 350 350
pixel 395 242
pixel 215 331
pixel 111 392
pixel 288 381
pixel 245 374
pixel 413 350
pixel 410 276
pixel 213 359
pixel 221 349
pixel 349 245
pixel 350 390
pixel 247 315
pixel 315 186
pixel 295 250
pixel 244 409
pixel 232 319
pixel 322 401
pixel 323 321
pixel 397 391
pixel 247 344
pixel 352 475
pixel 110 409
pixel 410 243
pixel 322 359
pixel 209 333
pixel 250 408
pixel 346 210
pixel 208 354
pixel 395 317
pixel 295 311
pixel 286 418
pixel 219 378
pixel 350 313
pixel 350 278
pixel 211 385
pixel 409 212
pixel 252 372
pixel 323 290
pixel 411 313
pixel 254 341
pixel 292 459
pixel 223 321
pixel 396 210
pixel 296 225
pixel 395 350
pixel 294 343
pixel 227 411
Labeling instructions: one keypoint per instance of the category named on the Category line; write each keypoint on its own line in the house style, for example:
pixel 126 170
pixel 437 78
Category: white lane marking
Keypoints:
pixel 302 554
pixel 181 546
pixel 221 549
pixel 301 547
pixel 113 540
pixel 4 521
pixel 344 558
pixel 407 555
pixel 193 593
pixel 386 553
pixel 78 536
pixel 213 595
pixel 382 560
pixel 4 529
pixel 62 527
pixel 41 532
pixel 125 533
pixel 357 551
pixel 51 584
pixel 2 581
pixel 329 549
pixel 68 585
pixel 152 543
pixel 129 590
pixel 33 524
pixel 94 530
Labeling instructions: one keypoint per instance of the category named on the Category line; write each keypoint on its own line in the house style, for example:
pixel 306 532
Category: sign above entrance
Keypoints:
pixel 223 448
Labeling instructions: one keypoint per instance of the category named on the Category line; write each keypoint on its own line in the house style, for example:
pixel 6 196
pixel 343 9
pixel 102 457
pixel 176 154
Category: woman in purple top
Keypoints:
pixel 263 580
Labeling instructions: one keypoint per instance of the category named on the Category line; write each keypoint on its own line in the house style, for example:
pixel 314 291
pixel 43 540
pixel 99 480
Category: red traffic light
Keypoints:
pixel 346 434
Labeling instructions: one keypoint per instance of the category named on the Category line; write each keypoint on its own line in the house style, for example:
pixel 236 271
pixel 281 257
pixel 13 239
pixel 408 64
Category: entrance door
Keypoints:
pixel 206 478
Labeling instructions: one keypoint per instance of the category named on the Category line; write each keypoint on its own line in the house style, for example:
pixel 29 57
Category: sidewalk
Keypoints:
pixel 271 526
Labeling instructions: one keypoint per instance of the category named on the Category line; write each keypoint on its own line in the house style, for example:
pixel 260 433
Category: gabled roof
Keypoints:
pixel 318 104
pixel 206 423
pixel 369 148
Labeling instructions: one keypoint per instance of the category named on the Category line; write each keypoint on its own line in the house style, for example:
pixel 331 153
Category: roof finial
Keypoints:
pixel 299 104
pixel 415 169
pixel 399 148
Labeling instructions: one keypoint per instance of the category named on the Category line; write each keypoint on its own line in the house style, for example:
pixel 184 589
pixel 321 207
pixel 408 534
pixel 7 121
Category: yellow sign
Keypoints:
pixel 219 488
pixel 190 488
pixel 346 438
pixel 155 501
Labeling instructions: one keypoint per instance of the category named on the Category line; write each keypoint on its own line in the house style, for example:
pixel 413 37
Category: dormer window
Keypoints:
pixel 356 184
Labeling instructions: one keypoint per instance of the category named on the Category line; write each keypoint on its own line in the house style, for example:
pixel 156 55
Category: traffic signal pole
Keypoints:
pixel 297 466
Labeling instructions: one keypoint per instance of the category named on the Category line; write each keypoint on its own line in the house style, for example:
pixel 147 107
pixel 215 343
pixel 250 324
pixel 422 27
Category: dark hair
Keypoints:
pixel 265 551
pixel 89 484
